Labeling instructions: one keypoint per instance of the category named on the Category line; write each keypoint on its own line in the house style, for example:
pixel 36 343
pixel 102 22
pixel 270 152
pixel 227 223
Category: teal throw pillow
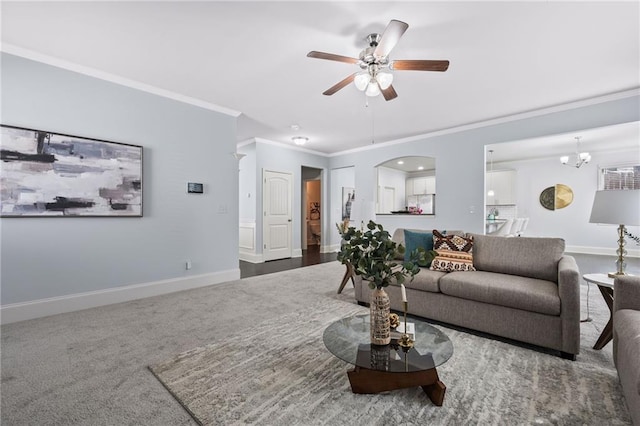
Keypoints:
pixel 413 240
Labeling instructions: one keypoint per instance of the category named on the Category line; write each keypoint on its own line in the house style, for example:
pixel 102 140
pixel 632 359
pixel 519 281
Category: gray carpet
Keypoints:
pixel 488 382
pixel 91 367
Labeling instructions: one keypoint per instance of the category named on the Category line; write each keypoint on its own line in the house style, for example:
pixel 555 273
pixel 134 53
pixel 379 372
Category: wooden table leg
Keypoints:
pixel 348 274
pixel 435 392
pixel 607 333
pixel 374 381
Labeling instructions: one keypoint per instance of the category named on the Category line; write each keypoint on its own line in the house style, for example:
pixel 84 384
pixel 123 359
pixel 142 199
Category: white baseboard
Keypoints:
pixel 250 257
pixel 604 251
pixel 259 258
pixel 333 248
pixel 15 312
pixel 325 249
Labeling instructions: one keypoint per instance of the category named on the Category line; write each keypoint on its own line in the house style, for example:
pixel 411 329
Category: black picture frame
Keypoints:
pixel 49 174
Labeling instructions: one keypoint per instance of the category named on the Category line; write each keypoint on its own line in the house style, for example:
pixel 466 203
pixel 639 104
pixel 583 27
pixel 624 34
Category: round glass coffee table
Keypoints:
pixel 389 367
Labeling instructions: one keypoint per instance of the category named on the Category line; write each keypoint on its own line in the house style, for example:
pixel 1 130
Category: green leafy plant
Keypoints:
pixel 372 253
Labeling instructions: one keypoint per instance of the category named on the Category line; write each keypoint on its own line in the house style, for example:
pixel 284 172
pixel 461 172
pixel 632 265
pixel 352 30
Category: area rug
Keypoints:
pixel 280 373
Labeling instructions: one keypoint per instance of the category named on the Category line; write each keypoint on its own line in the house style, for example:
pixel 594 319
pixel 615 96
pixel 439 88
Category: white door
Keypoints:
pixel 276 200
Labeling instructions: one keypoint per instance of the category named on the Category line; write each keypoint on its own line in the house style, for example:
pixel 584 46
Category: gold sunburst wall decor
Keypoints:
pixel 556 197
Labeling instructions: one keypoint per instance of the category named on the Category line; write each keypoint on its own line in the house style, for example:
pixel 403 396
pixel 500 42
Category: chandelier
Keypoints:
pixel 581 157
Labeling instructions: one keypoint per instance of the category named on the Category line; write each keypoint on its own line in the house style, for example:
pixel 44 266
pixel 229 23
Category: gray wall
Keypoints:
pixel 571 222
pixel 460 161
pixel 47 257
pixel 247 183
pixel 277 158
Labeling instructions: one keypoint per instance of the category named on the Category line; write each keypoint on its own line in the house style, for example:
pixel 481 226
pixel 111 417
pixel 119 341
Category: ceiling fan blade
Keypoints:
pixel 332 57
pixel 419 65
pixel 389 93
pixel 390 37
pixel 333 89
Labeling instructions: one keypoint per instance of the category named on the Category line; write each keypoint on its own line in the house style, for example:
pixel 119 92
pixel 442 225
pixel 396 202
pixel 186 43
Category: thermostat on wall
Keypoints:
pixel 195 188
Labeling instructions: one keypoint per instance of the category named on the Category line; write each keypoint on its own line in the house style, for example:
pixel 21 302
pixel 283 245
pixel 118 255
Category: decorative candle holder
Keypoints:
pixel 405 341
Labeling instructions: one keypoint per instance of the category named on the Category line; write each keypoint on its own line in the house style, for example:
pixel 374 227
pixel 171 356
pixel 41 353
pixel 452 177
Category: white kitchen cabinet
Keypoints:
pixel 408 187
pixel 503 183
pixel 431 184
pixel 421 185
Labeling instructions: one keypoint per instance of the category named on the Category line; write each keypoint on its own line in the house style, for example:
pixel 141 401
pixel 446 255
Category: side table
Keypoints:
pixel 349 274
pixel 605 285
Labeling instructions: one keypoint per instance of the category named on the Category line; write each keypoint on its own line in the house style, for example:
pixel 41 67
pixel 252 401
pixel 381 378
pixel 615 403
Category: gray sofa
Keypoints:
pixel 524 289
pixel 626 340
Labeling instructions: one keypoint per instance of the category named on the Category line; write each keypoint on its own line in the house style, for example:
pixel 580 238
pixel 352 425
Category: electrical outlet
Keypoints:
pixel 187 265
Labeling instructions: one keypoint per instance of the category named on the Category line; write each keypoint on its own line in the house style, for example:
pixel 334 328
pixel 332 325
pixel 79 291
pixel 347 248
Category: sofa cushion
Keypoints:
pixel 627 325
pixel 426 280
pixel 449 260
pixel 529 294
pixel 523 256
pixel 413 240
pixel 452 242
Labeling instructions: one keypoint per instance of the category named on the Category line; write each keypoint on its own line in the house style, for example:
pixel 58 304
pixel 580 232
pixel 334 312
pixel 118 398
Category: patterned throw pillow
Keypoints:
pixel 452 242
pixel 450 261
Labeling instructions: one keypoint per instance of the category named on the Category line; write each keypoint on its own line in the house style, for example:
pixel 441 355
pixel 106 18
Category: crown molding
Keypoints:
pixel 499 120
pixel 286 146
pixel 113 78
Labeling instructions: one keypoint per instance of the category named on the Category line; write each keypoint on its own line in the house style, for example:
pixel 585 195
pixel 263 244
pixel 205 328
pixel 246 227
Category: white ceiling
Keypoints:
pixel 506 58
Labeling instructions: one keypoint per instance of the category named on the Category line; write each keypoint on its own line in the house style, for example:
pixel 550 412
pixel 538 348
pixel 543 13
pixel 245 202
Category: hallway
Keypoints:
pixel 311 256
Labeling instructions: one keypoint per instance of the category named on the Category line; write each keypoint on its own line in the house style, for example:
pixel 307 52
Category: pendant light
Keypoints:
pixel 581 157
pixel 490 192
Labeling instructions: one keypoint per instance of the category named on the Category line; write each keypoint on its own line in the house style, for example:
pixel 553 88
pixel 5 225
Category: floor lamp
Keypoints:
pixel 617 207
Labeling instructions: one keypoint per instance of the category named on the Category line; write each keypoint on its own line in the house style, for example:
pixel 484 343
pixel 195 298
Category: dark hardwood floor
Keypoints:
pixel 587 263
pixel 311 256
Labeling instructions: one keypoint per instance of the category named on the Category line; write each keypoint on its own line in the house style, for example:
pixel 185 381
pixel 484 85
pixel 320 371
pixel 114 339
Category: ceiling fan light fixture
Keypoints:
pixel 376 57
pixel 372 89
pixel 384 79
pixel 564 159
pixel 299 140
pixel 361 80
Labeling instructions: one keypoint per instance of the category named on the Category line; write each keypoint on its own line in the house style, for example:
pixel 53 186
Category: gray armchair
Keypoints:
pixel 626 339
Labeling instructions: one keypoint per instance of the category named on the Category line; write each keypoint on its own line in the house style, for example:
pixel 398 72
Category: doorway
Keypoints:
pixel 277 196
pixel 311 209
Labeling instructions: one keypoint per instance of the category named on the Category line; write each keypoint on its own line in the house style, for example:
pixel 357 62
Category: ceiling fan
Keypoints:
pixel 373 60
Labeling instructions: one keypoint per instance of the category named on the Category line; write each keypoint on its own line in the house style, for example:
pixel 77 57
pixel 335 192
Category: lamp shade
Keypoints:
pixel 373 89
pixel 361 80
pixel 616 207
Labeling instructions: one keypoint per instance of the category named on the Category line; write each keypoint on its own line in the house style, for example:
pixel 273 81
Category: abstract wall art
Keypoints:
pixel 51 174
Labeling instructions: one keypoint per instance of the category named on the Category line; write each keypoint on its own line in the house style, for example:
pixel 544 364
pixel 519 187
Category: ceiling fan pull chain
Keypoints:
pixel 373 132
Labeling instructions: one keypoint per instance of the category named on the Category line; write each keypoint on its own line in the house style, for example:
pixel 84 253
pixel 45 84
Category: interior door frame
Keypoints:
pixel 266 255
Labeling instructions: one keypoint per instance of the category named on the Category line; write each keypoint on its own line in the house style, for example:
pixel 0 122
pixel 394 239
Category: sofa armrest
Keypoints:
pixel 626 292
pixel 569 292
